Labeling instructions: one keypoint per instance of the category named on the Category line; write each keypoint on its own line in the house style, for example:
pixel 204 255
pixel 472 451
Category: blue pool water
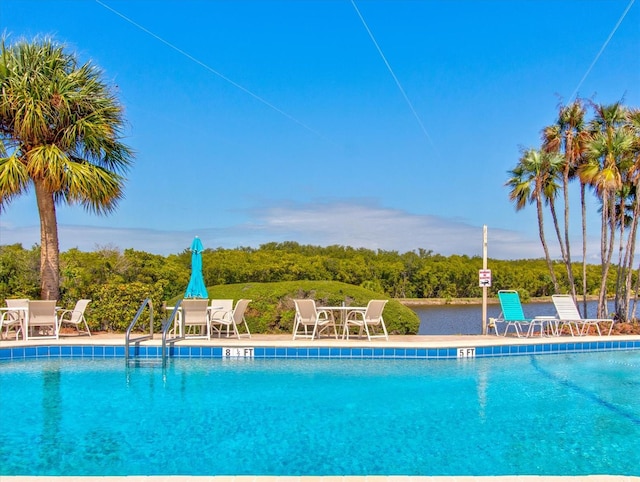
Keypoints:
pixel 570 414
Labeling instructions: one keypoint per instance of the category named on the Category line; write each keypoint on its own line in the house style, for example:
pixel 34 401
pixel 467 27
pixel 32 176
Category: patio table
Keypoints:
pixel 344 312
pixel 177 324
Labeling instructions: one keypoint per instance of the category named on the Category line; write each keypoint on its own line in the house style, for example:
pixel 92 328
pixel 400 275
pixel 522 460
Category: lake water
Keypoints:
pixel 467 319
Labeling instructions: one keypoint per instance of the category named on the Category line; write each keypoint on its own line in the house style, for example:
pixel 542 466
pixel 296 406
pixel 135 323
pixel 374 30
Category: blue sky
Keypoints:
pixel 378 124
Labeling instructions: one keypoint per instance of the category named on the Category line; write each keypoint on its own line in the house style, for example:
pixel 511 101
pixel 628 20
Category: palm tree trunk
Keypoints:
pixel 49 250
pixel 630 255
pixel 556 226
pixel 544 244
pixel 584 248
pixel 607 248
pixel 635 295
pixel 567 250
pixel 620 311
pixel 603 257
pixel 621 302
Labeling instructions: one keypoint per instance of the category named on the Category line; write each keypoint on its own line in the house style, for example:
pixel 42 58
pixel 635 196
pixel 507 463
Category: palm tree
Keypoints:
pixel 631 192
pixel 568 137
pixel 60 127
pixel 533 180
pixel 634 180
pixel 608 153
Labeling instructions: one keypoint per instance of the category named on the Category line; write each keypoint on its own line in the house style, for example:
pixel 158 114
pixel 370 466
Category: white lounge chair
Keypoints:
pixel 75 317
pixel 14 317
pixel 233 322
pixel 368 321
pixel 194 318
pixel 310 322
pixel 42 322
pixel 568 315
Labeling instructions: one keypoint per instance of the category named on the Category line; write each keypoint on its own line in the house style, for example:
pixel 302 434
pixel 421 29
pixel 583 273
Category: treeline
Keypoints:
pixel 111 276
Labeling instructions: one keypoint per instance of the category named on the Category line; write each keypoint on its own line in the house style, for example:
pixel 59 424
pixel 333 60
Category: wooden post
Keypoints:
pixel 484 288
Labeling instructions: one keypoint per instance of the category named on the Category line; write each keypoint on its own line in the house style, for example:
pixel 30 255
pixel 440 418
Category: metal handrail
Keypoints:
pixel 165 328
pixel 127 339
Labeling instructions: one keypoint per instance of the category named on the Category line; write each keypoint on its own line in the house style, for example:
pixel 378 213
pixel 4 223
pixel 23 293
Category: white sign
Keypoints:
pixel 467 352
pixel 237 352
pixel 485 278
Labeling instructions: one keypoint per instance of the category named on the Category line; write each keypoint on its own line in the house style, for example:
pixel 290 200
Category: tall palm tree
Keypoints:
pixel 60 127
pixel 533 180
pixel 568 137
pixel 631 175
pixel 608 153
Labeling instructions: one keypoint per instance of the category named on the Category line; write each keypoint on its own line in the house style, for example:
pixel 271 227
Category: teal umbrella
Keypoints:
pixel 196 288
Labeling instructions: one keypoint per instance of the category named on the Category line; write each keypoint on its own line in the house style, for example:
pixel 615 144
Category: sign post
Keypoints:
pixel 485 279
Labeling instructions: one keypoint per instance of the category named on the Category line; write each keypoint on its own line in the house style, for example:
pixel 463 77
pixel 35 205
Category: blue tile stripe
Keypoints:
pixel 177 351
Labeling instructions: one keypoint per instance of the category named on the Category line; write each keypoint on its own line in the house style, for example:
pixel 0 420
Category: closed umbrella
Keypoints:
pixel 196 288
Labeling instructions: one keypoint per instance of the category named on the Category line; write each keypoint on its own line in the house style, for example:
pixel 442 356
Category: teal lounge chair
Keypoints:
pixel 513 316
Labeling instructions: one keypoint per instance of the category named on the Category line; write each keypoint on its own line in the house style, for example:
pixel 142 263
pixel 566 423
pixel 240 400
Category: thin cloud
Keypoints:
pixel 357 223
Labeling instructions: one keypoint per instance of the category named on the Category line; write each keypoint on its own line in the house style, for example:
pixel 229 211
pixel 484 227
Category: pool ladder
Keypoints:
pixel 128 340
pixel 129 359
pixel 165 329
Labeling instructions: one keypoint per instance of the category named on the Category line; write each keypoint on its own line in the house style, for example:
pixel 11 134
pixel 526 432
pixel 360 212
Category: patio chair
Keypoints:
pixel 232 322
pixel 569 315
pixel 75 317
pixel 42 321
pixel 220 309
pixel 14 316
pixel 309 322
pixel 369 321
pixel 512 316
pixel 194 318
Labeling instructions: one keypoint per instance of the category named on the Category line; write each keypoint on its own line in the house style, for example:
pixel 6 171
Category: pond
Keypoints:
pixel 467 319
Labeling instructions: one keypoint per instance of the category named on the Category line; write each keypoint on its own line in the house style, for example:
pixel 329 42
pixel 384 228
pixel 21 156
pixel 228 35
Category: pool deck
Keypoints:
pixel 283 346
pixel 409 341
pixel 285 340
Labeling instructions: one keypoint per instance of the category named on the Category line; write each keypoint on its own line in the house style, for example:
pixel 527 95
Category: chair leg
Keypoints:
pixel 610 328
pixel 532 328
pixel 516 328
pixel 86 325
pixel 366 329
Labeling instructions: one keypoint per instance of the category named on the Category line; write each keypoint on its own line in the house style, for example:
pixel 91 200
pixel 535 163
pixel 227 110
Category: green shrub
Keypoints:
pixel 117 304
pixel 272 309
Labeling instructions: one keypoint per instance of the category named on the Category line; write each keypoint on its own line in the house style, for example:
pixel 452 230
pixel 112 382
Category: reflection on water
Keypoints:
pixel 51 415
pixel 467 319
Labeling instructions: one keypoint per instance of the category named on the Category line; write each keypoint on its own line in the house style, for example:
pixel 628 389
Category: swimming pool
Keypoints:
pixel 565 414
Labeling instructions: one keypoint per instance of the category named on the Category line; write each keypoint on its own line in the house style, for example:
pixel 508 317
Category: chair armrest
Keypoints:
pixel 219 314
pixel 328 314
pixel 60 314
pixel 13 315
pixel 354 313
